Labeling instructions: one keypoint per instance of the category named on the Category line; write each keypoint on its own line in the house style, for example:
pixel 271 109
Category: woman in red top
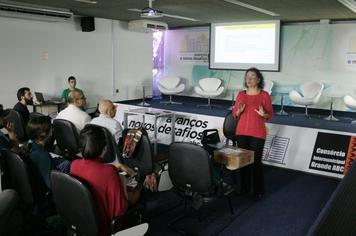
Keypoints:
pixel 253 107
pixel 103 179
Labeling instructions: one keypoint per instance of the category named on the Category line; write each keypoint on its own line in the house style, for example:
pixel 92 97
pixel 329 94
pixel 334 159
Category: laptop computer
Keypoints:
pixel 40 99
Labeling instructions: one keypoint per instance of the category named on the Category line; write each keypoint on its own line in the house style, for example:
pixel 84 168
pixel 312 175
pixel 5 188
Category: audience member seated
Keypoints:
pixel 7 141
pixel 106 119
pixel 72 82
pixel 104 180
pixel 25 98
pixel 39 131
pixel 75 111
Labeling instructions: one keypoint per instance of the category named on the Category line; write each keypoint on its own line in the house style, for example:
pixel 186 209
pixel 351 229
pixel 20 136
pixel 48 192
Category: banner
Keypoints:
pixel 316 151
pixel 188 127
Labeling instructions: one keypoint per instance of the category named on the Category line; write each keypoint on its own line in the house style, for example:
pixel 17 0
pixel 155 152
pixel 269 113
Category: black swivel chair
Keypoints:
pixel 142 160
pixel 112 151
pixel 4 181
pixel 76 206
pixel 22 177
pixel 10 215
pixel 190 172
pixel 210 138
pixel 19 125
pixel 35 114
pixel 338 217
pixel 67 138
pixel 229 127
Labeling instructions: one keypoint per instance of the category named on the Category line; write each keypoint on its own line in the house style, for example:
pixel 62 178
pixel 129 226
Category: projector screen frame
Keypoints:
pixel 278 47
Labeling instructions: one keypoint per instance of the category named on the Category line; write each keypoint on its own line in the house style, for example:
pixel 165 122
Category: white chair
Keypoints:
pixel 209 88
pixel 268 86
pixel 170 85
pixel 350 103
pixel 310 94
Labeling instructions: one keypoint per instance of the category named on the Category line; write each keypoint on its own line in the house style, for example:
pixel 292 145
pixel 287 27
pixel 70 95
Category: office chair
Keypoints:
pixel 229 127
pixel 11 218
pixel 19 125
pixel 4 178
pixel 67 138
pixel 144 163
pixel 76 205
pixel 338 215
pixel 210 138
pixel 142 159
pixel 112 152
pixel 23 178
pixel 35 114
pixel 190 172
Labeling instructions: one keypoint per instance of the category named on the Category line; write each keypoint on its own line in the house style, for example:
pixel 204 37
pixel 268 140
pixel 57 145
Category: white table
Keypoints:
pixel 156 114
pixel 332 97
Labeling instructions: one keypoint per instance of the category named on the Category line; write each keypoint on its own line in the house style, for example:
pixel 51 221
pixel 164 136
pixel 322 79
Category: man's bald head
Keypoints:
pixel 77 98
pixel 106 107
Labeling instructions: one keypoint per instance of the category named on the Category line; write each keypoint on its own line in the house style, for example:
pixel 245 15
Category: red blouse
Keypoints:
pixel 250 122
pixel 106 187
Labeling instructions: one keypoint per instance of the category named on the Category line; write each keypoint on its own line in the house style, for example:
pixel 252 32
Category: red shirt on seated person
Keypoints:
pixel 103 179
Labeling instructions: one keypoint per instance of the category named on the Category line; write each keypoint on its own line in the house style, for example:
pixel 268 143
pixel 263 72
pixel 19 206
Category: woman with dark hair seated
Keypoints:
pixel 39 131
pixel 103 179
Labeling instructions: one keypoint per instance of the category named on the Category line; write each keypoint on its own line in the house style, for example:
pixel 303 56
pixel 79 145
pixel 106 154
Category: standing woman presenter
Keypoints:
pixel 253 107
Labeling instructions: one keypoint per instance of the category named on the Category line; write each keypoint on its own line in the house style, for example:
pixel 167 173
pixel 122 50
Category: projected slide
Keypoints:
pixel 244 45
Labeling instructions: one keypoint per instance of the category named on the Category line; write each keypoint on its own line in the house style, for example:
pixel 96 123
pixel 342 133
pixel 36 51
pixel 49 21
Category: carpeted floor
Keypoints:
pixel 292 202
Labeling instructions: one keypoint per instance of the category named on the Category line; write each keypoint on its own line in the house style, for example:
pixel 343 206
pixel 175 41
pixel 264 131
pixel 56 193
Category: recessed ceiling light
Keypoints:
pixel 242 4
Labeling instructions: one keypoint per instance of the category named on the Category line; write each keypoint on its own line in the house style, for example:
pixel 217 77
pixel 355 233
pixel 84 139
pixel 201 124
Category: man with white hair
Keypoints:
pixel 106 118
pixel 74 112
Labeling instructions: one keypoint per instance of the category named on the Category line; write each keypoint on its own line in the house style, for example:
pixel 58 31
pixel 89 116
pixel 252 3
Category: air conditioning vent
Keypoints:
pixel 147 26
pixel 33 12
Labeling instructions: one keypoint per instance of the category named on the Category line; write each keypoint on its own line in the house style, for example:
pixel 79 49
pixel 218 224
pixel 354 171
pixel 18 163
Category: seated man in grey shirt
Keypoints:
pixel 106 118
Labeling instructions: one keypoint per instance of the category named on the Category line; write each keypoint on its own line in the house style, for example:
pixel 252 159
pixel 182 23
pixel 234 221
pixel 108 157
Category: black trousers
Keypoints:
pixel 252 172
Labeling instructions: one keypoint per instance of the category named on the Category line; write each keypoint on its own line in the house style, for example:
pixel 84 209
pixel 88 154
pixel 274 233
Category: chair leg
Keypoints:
pixel 209 105
pixel 306 111
pixel 170 102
